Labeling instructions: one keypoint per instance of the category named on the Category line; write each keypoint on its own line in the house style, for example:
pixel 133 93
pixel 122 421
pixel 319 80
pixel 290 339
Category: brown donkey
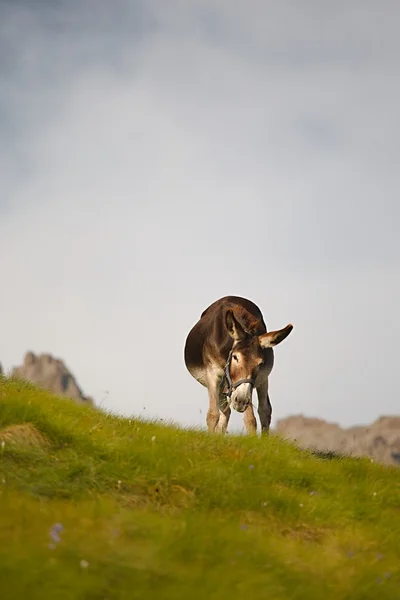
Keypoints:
pixel 230 352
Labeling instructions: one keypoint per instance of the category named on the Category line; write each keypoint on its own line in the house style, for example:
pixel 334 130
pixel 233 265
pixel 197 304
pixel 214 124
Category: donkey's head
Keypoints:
pixel 250 360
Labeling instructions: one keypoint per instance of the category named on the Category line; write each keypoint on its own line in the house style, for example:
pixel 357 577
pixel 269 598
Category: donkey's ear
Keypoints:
pixel 233 326
pixel 273 338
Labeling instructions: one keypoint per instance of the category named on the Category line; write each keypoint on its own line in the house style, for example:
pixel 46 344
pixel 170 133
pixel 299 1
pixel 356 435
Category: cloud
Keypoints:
pixel 157 157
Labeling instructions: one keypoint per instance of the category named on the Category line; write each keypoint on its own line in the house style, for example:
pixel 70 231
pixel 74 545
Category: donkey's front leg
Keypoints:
pixel 249 419
pixel 223 421
pixel 264 407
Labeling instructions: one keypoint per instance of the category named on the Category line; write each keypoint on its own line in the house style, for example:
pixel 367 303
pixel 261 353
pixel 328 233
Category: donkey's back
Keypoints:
pixel 219 305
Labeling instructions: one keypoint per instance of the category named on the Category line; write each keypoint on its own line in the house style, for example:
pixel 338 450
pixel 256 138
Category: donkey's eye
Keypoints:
pixel 235 357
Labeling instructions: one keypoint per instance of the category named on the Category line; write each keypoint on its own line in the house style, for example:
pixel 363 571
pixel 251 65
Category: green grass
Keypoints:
pixel 151 511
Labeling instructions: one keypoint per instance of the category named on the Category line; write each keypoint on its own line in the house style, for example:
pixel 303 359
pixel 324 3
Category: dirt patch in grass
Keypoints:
pixel 23 435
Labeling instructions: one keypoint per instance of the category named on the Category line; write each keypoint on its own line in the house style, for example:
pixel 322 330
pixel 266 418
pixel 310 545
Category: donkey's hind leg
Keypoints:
pixel 213 398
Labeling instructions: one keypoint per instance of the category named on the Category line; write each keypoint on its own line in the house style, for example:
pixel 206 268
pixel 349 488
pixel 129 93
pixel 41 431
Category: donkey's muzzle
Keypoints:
pixel 240 407
pixel 241 397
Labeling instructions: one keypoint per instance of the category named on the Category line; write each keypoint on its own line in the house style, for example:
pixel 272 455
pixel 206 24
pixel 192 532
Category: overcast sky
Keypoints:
pixel 156 155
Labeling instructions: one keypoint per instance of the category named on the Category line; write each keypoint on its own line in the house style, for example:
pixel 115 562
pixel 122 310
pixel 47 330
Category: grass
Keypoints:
pixel 98 507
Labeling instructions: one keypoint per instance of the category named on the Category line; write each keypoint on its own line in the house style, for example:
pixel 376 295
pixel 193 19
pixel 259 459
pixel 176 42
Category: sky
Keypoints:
pixel 155 156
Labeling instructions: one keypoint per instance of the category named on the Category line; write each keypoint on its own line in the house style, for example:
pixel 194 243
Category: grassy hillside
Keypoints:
pixel 97 507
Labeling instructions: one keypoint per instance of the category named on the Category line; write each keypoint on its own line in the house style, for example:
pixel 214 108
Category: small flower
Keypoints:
pixel 55 530
pixel 84 564
pixel 374 494
pixel 54 533
pixel 3 443
pixel 243 527
pixel 251 467
pixel 301 505
pixel 153 439
pixel 312 493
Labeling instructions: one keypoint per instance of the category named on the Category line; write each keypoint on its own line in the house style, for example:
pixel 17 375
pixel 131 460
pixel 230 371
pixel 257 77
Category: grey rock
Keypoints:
pixel 379 441
pixel 51 374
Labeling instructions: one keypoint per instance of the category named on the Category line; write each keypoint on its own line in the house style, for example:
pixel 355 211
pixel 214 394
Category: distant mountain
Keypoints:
pixel 52 374
pixel 380 441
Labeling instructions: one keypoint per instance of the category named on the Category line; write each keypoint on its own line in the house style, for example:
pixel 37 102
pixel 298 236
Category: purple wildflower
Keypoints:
pixel 55 534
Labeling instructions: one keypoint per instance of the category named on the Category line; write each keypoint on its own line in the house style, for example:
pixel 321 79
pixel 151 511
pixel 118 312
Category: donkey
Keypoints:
pixel 230 352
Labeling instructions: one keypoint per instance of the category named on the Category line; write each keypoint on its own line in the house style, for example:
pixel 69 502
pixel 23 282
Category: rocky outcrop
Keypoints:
pixel 380 441
pixel 51 374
